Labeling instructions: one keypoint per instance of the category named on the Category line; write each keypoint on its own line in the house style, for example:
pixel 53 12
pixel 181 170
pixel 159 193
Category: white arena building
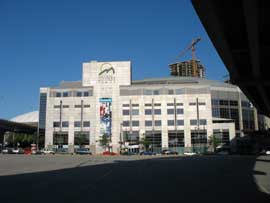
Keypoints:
pixel 175 112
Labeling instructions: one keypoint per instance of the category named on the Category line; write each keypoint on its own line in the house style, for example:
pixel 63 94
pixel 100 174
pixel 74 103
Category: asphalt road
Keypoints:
pixel 63 178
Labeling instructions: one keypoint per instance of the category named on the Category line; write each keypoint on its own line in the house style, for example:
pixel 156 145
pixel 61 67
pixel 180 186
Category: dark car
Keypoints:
pixel 147 153
pixel 7 151
pixel 82 151
pixel 129 153
pixel 62 151
pixel 169 152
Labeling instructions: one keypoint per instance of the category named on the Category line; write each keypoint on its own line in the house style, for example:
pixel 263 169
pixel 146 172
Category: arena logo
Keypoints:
pixel 106 74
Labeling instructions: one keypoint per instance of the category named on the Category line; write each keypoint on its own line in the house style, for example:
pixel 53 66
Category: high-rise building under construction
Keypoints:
pixel 192 68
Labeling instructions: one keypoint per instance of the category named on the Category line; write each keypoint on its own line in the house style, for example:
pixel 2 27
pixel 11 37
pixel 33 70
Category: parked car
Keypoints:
pixel 169 152
pixel 189 153
pixel 37 152
pixel 109 153
pixel 129 153
pixel 7 151
pixel 18 151
pixel 47 151
pixel 62 151
pixel 147 153
pixel 82 151
pixel 27 151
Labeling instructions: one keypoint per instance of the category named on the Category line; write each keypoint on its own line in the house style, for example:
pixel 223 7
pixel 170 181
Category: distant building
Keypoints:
pixel 30 118
pixel 190 68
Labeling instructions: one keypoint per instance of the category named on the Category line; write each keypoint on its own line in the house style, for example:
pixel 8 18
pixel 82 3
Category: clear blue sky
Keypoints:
pixel 44 42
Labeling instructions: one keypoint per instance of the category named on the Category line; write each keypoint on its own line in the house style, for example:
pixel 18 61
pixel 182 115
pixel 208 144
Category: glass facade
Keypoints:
pixel 81 138
pixel 154 138
pixel 42 110
pixel 226 109
pixel 176 138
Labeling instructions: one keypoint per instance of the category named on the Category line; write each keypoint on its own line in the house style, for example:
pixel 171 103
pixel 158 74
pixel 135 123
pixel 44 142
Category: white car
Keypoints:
pixel 189 153
pixel 47 151
pixel 267 152
pixel 17 151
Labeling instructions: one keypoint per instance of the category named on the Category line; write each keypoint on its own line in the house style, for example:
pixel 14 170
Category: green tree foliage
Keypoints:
pixel 104 141
pixel 20 139
pixel 145 142
pixel 214 142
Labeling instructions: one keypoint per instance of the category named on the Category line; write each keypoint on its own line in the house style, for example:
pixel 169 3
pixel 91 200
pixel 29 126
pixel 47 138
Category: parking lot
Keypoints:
pixel 17 164
pixel 80 178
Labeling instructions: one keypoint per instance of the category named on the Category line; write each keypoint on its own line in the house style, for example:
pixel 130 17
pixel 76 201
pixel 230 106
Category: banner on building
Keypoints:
pixel 105 112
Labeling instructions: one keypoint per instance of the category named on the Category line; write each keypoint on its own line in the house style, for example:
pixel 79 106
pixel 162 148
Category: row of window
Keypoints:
pixel 65 124
pixel 169 123
pixel 222 102
pixel 158 92
pixel 75 106
pixel 176 138
pixel 168 104
pixel 77 94
pixel 127 112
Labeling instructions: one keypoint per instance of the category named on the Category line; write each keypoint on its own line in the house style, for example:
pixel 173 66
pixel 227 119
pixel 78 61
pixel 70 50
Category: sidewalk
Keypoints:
pixel 262 173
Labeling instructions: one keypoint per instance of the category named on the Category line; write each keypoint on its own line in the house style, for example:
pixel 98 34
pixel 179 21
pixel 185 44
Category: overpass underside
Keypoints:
pixel 240 34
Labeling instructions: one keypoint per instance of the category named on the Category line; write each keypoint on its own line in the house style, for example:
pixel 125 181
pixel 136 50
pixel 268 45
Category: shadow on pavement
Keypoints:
pixel 222 179
pixel 263 160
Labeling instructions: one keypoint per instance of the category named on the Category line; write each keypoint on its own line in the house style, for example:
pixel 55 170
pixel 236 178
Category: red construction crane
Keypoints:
pixel 195 72
pixel 192 47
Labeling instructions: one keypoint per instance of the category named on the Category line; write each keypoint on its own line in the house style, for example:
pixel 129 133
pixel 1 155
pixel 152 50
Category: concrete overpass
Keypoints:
pixel 9 126
pixel 240 34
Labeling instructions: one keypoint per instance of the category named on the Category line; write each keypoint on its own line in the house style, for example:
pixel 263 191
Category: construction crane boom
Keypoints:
pixel 192 47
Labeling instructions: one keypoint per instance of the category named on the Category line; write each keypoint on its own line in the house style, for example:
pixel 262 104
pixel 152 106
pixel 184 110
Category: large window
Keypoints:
pixel 81 138
pixel 226 109
pixel 131 137
pixel 60 138
pixel 222 136
pixel 176 138
pixel 198 137
pixel 42 110
pixel 154 138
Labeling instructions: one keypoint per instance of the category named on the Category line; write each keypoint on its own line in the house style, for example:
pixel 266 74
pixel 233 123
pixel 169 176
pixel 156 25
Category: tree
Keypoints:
pixel 145 142
pixel 80 138
pixel 104 141
pixel 214 142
